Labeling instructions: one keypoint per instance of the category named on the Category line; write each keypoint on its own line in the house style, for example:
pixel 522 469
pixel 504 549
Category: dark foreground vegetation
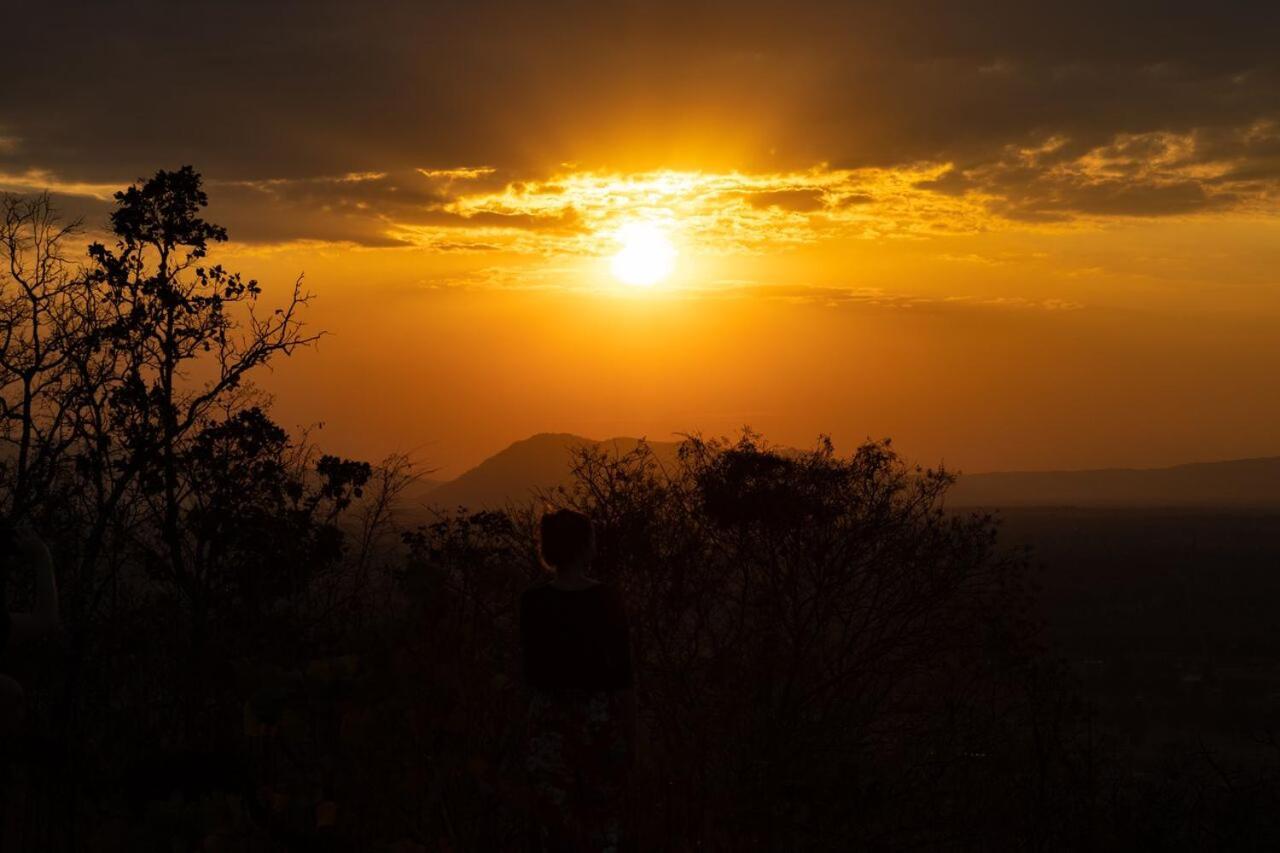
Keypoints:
pixel 256 656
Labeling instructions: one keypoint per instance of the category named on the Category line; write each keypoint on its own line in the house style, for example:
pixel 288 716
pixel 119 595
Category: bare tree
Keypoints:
pixel 377 513
pixel 39 330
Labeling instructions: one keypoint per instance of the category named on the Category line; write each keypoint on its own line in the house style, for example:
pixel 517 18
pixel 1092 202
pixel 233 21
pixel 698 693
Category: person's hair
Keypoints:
pixel 565 535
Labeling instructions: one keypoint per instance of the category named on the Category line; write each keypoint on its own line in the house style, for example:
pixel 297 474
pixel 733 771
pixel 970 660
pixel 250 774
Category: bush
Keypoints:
pixel 825 657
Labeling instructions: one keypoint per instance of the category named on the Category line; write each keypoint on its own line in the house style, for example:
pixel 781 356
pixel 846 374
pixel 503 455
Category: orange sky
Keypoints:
pixel 1020 349
pixel 1010 236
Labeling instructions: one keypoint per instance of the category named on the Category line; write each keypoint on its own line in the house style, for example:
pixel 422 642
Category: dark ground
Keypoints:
pixel 1169 619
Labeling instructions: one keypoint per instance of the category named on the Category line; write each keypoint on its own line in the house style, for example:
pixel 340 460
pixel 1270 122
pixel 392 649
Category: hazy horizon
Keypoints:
pixel 439 474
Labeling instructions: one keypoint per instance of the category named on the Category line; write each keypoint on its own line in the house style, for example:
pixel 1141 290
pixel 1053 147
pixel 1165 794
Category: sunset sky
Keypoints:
pixel 1031 236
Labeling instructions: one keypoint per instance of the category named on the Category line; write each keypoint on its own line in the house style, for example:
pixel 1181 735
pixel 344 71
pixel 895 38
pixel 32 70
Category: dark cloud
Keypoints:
pixel 853 199
pixel 564 221
pixel 870 297
pixel 91 213
pixel 1151 174
pixel 951 182
pixel 355 208
pixel 364 208
pixel 254 91
pixel 798 200
pixel 254 216
pixel 1120 198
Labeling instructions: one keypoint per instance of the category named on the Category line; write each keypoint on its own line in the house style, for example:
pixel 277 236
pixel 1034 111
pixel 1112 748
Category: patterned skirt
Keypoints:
pixel 578 761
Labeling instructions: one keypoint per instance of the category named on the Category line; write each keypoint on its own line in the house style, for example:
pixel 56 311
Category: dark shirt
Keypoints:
pixel 575 638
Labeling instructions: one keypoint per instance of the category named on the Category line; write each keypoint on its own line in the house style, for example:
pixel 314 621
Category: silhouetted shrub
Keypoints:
pixel 832 661
pixel 826 656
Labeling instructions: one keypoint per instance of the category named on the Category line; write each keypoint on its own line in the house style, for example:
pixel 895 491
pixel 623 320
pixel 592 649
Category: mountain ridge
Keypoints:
pixel 541 461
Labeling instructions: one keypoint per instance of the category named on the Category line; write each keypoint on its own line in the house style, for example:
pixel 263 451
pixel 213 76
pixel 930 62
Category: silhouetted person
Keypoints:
pixel 577 665
pixel 20 547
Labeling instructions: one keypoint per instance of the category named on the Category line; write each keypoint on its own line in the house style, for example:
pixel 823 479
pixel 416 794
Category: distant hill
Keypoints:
pixel 513 475
pixel 1238 483
pixel 542 461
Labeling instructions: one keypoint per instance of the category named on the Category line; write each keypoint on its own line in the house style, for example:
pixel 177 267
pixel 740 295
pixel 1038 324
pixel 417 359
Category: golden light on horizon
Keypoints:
pixel 647 255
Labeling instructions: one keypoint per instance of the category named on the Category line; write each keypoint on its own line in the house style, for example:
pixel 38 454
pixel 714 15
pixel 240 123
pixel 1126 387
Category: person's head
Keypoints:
pixel 566 539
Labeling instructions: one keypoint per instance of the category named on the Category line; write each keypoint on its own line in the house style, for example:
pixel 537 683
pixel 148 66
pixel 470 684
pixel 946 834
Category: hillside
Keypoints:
pixel 542 461
pixel 1237 483
pixel 516 473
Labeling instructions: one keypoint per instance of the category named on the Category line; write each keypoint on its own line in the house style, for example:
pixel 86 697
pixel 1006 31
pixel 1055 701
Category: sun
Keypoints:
pixel 647 255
